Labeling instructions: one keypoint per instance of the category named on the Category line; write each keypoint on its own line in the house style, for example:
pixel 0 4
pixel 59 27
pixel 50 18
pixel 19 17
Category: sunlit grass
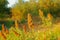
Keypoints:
pixel 46 31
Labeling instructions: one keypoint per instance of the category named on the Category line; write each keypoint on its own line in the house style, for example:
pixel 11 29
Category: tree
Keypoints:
pixel 23 8
pixel 18 10
pixel 4 10
pixel 16 14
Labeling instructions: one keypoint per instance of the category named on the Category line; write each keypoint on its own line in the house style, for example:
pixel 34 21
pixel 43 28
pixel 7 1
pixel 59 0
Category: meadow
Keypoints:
pixel 30 20
pixel 45 30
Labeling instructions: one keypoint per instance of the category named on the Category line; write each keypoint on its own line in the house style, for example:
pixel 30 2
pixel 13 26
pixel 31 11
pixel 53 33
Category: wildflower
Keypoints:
pixel 49 16
pixel 30 23
pixel 24 28
pixel 3 28
pixel 0 33
pixel 16 24
pixel 4 36
pixel 7 31
pixel 41 13
pixel 17 34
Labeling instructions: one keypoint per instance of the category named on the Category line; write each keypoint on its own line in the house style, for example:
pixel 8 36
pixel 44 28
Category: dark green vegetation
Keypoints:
pixel 4 10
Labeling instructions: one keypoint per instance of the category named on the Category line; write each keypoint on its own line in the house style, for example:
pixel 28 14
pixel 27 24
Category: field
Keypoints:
pixel 30 20
pixel 44 30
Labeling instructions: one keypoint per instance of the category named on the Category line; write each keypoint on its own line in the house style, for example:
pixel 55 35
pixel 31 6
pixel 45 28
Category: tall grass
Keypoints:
pixel 15 33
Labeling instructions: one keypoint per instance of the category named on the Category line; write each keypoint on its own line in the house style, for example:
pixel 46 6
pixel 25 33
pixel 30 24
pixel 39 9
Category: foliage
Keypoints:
pixel 23 8
pixel 49 34
pixel 48 21
pixel 3 8
pixel 45 33
pixel 24 12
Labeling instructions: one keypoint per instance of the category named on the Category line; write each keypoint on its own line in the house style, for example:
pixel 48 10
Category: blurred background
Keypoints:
pixel 11 10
